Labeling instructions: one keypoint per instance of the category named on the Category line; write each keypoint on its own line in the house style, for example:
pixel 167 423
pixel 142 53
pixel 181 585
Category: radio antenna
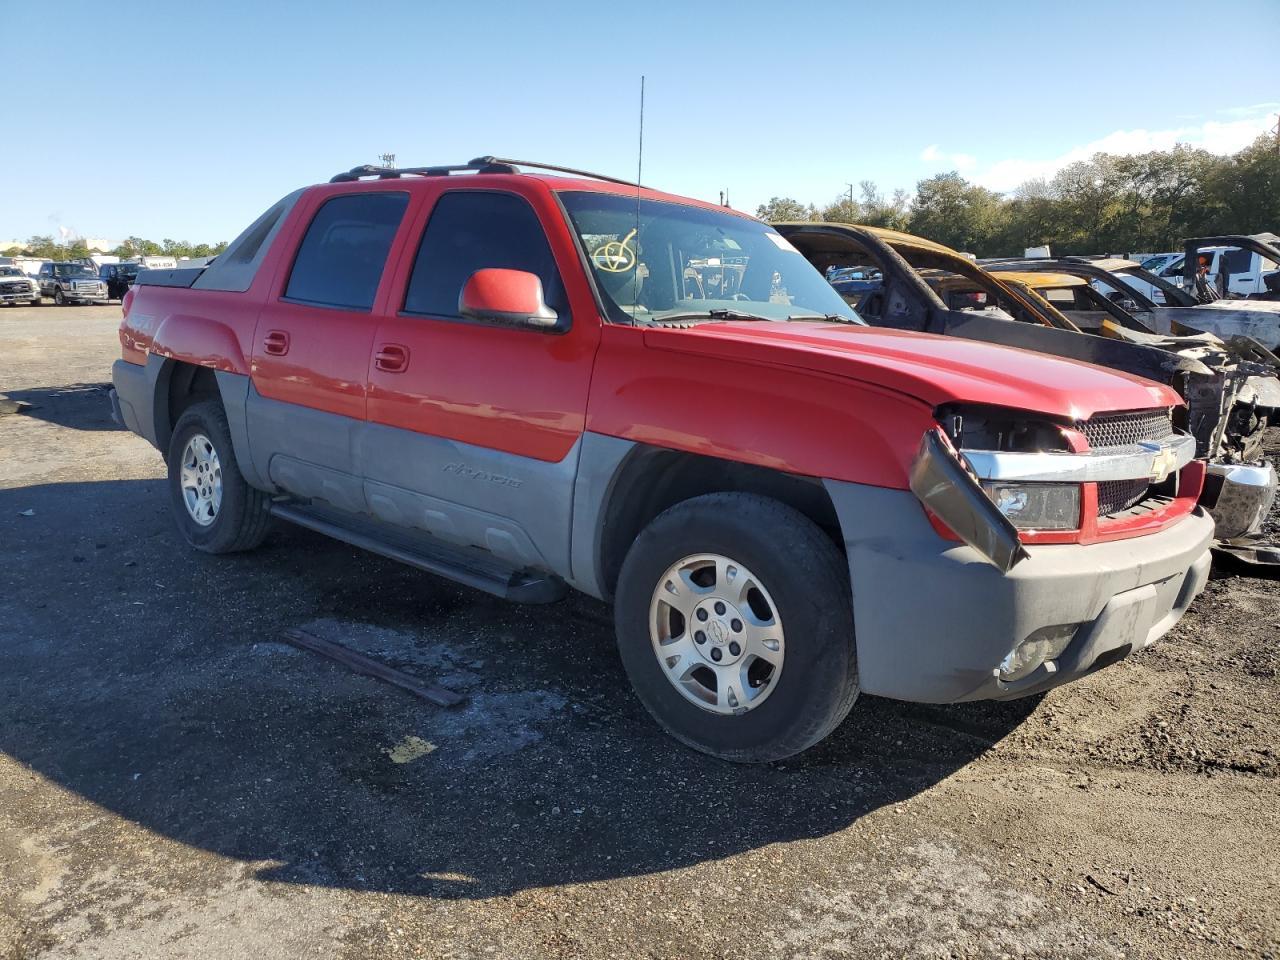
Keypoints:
pixel 640 155
pixel 640 159
pixel 635 234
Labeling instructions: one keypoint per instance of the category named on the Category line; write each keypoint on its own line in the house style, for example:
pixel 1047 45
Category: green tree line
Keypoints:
pixel 47 248
pixel 1107 204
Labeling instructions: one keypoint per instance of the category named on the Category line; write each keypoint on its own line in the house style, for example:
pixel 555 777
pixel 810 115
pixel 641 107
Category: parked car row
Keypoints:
pixel 68 282
pixel 533 382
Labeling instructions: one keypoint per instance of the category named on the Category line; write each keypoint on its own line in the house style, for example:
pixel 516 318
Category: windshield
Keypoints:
pixel 655 261
pixel 10 272
pixel 1173 296
pixel 128 269
pixel 73 270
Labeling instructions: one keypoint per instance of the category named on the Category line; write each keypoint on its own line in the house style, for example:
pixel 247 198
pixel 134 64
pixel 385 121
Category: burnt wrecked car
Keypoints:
pixel 978 305
pixel 1161 305
pixel 1249 392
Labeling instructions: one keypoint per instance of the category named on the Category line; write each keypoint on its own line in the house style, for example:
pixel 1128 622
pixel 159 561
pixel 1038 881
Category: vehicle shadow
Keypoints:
pixel 80 406
pixel 148 679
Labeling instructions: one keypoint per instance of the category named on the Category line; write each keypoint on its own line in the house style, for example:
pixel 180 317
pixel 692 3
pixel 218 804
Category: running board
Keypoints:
pixel 462 565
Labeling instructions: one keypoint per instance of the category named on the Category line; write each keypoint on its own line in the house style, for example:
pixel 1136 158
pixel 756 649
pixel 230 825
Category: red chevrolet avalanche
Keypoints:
pixel 530 382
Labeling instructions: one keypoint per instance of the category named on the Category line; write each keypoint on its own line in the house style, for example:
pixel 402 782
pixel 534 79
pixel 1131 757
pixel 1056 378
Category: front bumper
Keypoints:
pixel 27 296
pixel 1239 495
pixel 86 294
pixel 934 620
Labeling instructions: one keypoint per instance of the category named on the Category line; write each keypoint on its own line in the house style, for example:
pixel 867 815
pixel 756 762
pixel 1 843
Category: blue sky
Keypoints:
pixel 186 120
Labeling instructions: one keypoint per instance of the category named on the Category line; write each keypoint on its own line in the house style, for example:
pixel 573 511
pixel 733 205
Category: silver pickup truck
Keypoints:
pixel 71 283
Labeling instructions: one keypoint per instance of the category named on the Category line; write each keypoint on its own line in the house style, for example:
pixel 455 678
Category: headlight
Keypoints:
pixel 1037 506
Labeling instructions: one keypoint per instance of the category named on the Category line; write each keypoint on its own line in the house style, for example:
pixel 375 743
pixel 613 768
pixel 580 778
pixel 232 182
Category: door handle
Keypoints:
pixel 391 358
pixel 276 343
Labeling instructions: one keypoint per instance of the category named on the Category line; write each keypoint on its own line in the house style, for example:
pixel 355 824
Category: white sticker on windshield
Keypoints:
pixel 780 242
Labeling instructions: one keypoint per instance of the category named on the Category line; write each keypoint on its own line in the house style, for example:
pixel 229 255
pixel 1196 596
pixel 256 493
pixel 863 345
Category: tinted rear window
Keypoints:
pixel 340 260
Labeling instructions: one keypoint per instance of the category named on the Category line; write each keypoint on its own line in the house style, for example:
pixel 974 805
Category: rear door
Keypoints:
pixel 312 341
pixel 475 427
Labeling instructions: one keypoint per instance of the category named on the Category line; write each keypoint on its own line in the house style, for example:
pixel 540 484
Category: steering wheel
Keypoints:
pixel 616 256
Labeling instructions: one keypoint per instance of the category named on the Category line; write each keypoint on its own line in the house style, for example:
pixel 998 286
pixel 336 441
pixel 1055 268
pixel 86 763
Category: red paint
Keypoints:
pixel 517 390
pixel 818 399
pixel 511 292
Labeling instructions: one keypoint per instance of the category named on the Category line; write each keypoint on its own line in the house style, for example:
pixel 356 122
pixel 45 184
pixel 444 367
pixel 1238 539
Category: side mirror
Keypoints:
pixel 506 296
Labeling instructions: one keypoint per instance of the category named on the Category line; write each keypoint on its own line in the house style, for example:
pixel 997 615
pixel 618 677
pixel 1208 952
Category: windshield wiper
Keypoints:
pixel 829 317
pixel 718 314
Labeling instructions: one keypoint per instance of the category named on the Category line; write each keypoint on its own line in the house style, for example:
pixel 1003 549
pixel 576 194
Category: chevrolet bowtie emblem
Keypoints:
pixel 1162 463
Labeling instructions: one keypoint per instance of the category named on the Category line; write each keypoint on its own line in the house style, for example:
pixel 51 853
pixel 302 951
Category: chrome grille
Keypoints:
pixel 14 286
pixel 1127 429
pixel 1115 496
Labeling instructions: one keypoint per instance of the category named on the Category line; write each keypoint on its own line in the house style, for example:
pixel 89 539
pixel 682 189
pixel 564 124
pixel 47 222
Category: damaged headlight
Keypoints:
pixel 1036 506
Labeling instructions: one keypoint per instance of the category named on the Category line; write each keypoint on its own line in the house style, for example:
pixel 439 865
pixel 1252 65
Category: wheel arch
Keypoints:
pixel 624 485
pixel 177 385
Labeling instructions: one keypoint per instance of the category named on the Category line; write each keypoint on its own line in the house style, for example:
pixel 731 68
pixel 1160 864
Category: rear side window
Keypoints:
pixel 470 231
pixel 340 261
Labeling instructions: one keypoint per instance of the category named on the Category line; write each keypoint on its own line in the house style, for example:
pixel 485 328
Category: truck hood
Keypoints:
pixel 933 369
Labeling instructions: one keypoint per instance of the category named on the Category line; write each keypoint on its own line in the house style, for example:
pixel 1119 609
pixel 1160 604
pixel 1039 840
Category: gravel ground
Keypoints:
pixel 175 782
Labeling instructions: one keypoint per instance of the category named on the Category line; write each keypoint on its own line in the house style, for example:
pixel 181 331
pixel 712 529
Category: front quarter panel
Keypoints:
pixel 784 418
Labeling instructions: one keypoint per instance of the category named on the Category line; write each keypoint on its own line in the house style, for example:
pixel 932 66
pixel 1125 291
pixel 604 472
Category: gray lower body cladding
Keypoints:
pixel 135 390
pixel 934 621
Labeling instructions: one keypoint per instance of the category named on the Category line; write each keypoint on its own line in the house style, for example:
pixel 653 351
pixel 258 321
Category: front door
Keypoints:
pixel 475 427
pixel 311 347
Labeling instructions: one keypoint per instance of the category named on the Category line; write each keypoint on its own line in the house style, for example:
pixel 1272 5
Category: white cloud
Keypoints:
pixel 1252 110
pixel 952 161
pixel 1216 136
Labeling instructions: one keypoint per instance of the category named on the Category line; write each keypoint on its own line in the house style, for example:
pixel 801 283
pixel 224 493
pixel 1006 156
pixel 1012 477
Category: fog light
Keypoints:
pixel 1045 644
pixel 1037 506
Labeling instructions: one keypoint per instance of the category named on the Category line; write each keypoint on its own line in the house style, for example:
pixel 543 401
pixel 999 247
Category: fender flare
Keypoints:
pixel 201 342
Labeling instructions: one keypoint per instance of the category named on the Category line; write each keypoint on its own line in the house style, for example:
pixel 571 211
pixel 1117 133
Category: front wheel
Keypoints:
pixel 215 509
pixel 735 627
pixel 59 298
pixel 38 302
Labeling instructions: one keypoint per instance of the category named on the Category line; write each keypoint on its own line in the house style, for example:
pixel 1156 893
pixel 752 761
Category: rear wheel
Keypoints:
pixel 735 626
pixel 215 509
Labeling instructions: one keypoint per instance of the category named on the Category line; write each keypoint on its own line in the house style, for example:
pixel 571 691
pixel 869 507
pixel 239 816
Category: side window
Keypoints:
pixel 473 230
pixel 340 260
pixel 1237 261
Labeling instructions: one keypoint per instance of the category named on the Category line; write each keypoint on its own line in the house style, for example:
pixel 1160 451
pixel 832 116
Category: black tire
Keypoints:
pixel 38 302
pixel 59 298
pixel 808 579
pixel 242 520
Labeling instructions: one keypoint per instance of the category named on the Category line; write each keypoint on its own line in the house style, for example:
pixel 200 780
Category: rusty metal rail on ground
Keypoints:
pixel 370 667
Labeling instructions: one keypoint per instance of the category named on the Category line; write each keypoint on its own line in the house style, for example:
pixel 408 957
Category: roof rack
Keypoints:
pixel 478 165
